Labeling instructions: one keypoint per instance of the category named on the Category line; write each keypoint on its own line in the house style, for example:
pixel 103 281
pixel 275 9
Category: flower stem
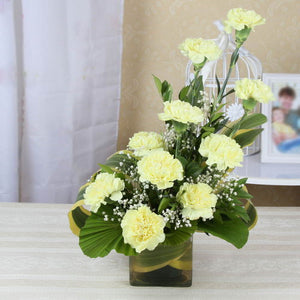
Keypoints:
pixel 178 143
pixel 233 61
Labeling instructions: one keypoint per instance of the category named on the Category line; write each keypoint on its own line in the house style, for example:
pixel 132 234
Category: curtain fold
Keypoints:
pixel 9 106
pixel 71 55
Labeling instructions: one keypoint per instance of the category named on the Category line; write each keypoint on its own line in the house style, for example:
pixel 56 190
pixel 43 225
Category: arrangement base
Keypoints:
pixel 166 276
pixel 165 266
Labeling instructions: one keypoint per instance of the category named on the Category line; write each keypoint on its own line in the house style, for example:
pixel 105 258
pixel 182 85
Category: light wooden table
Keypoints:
pixel 40 259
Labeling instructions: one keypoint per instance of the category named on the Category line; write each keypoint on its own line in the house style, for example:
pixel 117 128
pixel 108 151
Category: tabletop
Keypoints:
pixel 286 174
pixel 41 259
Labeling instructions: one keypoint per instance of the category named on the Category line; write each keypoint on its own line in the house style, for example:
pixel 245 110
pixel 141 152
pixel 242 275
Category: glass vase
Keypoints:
pixel 164 266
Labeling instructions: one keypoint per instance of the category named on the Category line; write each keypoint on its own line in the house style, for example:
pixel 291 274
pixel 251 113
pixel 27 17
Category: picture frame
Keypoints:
pixel 280 141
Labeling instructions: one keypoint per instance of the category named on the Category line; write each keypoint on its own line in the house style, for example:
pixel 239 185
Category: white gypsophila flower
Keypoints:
pixel 235 111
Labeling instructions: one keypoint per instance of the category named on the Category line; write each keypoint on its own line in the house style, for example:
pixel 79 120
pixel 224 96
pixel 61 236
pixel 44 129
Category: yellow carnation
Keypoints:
pixel 160 169
pixel 143 229
pixel 182 112
pixel 142 142
pixel 199 49
pixel 253 89
pixel 238 18
pixel 197 200
pixel 105 185
pixel 222 151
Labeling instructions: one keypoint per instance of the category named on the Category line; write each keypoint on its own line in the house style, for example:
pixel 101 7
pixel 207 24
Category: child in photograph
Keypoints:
pixel 281 130
pixel 287 96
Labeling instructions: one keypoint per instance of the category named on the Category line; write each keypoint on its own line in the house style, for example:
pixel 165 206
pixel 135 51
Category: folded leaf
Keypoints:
pixel 98 237
pixel 247 138
pixel 252 213
pixel 78 214
pixel 180 235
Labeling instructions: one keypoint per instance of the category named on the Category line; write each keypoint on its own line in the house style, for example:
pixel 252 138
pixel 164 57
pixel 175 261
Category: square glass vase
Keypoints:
pixel 164 266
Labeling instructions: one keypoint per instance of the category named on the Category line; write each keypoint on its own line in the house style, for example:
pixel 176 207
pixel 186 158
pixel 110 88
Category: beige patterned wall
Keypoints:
pixel 154 28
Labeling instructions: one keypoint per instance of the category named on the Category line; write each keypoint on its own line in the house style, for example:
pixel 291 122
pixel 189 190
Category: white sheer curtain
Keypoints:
pixel 60 66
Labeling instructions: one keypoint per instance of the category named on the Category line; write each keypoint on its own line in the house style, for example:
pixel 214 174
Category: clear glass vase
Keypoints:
pixel 164 266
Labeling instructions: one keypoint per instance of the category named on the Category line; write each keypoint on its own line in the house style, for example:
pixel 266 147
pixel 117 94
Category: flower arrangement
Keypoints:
pixel 165 187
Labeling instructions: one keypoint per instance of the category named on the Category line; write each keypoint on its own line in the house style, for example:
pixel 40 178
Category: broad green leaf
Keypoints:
pixel 247 138
pixel 233 231
pixel 98 237
pixel 253 120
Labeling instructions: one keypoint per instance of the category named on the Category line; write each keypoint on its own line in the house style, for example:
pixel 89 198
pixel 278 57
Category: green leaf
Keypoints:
pixel 180 235
pixel 251 211
pixel 247 138
pixel 122 161
pixel 233 231
pixel 228 93
pixel 164 203
pixel 179 127
pixel 81 193
pixel 193 169
pixel 166 91
pixel 106 169
pixel 183 161
pixel 208 129
pixel 183 93
pixel 147 262
pixel 205 134
pixel 228 128
pixel 218 85
pixel 242 181
pixel 98 237
pixel 164 88
pixel 253 120
pixel 242 35
pixel 79 217
pixel 217 116
pixel 242 194
pixel 241 212
pixel 157 83
pixel 249 104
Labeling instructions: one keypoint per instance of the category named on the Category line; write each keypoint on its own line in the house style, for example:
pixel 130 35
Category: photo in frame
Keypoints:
pixel 281 136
